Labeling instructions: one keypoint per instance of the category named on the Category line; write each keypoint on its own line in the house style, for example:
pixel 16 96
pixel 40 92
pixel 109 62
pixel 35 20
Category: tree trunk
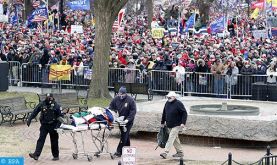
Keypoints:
pixel 28 8
pixel 105 14
pixel 150 12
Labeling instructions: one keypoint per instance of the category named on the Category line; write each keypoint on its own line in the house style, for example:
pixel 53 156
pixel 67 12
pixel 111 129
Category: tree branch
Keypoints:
pixel 117 6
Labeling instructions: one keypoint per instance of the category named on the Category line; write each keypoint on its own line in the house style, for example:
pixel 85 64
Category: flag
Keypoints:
pixel 190 22
pixel 79 5
pixel 218 25
pixel 120 16
pixel 38 15
pixel 14 18
pixel 255 13
pixel 59 72
pixel 39 28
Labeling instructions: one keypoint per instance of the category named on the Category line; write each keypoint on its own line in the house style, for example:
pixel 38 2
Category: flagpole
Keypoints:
pixel 47 29
pixel 194 22
pixel 237 23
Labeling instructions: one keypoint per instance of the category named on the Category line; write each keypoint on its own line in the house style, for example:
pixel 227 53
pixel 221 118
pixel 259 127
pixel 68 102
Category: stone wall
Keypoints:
pixel 214 126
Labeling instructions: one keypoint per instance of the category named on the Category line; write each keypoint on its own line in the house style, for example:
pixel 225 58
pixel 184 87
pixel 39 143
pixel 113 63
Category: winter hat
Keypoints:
pixel 122 90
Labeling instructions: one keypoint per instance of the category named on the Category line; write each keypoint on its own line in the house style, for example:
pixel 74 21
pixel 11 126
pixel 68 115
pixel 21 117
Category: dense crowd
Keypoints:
pixel 133 46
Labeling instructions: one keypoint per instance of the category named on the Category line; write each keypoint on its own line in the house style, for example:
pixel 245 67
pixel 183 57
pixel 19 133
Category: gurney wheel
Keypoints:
pixel 75 156
pixel 89 158
pixel 97 155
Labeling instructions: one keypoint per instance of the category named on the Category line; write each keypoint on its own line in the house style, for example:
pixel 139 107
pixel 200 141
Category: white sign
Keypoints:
pixel 1 9
pixel 77 29
pixel 4 18
pixel 128 156
pixel 260 33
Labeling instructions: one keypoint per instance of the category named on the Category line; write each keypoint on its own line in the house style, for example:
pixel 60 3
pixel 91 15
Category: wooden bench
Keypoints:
pixel 16 108
pixel 68 101
pixel 134 89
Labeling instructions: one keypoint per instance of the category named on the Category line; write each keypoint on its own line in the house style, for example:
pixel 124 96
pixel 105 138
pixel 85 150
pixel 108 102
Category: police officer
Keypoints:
pixel 50 111
pixel 125 106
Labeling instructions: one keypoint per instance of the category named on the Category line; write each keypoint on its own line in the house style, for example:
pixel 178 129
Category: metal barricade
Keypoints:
pixel 164 81
pixel 14 73
pixel 243 87
pixel 38 76
pixel 126 75
pixel 80 78
pixel 205 84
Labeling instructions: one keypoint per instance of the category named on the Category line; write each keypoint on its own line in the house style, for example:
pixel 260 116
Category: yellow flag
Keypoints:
pixel 255 13
pixel 274 3
pixel 59 72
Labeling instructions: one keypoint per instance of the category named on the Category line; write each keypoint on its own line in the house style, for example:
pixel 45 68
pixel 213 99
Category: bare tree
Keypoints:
pixel 105 12
pixel 150 12
pixel 204 10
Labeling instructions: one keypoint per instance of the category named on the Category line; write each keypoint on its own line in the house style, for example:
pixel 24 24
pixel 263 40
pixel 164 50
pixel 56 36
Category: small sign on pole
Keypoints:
pixel 128 156
pixel 77 29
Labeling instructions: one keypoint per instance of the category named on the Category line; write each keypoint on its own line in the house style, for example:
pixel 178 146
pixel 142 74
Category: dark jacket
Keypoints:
pixel 43 107
pixel 125 107
pixel 174 114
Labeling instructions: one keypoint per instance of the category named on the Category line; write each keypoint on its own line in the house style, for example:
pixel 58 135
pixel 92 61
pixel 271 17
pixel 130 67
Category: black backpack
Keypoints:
pixel 162 137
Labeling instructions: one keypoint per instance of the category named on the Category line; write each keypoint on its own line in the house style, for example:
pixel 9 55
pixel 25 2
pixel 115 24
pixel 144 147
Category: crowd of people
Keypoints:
pixel 133 46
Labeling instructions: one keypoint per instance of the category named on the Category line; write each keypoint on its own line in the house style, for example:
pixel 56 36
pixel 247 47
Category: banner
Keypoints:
pixel 38 15
pixel 77 29
pixel 87 73
pixel 4 18
pixel 190 22
pixel 255 13
pixel 218 25
pixel 272 21
pixel 79 5
pixel 260 34
pixel 274 32
pixel 157 32
pixel 60 72
pixel 1 9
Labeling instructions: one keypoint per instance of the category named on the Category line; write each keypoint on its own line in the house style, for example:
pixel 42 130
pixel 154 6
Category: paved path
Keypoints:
pixel 145 148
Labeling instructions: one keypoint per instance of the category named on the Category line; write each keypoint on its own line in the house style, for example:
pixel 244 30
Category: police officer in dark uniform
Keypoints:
pixel 125 106
pixel 50 112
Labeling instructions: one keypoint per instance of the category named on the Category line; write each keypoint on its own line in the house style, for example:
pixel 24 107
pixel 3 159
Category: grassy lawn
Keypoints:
pixel 34 98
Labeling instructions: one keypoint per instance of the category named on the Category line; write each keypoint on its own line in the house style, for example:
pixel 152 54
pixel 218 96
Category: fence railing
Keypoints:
pixel 267 159
pixel 159 81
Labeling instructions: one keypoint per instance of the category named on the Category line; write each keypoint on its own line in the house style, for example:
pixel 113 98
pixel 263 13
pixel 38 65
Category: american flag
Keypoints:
pixel 39 18
pixel 36 4
pixel 39 27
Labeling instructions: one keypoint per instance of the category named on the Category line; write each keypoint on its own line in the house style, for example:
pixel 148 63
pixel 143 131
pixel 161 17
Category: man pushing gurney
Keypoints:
pixel 125 106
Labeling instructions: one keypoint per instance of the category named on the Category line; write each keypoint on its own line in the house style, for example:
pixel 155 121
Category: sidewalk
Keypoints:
pixel 146 153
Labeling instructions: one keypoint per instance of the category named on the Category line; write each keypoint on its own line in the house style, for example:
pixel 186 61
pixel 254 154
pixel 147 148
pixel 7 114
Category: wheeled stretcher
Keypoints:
pixel 98 132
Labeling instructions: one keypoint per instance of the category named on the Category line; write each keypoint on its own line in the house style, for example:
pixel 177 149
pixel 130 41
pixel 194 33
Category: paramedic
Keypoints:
pixel 125 106
pixel 50 111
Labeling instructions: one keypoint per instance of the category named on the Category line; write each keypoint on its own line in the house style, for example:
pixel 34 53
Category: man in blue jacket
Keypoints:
pixel 125 106
pixel 174 117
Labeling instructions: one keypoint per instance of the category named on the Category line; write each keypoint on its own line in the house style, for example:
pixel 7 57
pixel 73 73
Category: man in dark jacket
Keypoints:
pixel 174 117
pixel 50 111
pixel 125 106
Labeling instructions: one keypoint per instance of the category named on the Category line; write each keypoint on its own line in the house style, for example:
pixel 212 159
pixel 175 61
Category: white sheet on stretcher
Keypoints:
pixel 83 127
